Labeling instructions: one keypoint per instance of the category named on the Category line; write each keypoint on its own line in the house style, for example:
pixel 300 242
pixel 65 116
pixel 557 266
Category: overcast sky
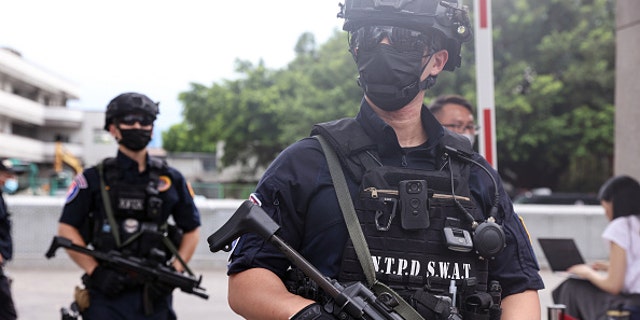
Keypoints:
pixel 157 47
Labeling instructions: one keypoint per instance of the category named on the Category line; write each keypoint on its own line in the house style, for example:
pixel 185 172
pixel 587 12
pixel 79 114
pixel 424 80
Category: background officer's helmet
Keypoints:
pixel 449 18
pixel 127 103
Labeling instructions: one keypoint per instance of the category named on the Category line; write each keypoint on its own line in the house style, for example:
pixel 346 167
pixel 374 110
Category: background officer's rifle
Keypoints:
pixel 141 269
pixel 355 300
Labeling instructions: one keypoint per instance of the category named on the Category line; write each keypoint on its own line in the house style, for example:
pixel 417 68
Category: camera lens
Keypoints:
pixel 414 187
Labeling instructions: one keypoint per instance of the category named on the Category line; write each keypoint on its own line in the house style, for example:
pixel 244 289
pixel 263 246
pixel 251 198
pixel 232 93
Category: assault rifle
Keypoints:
pixel 141 269
pixel 354 301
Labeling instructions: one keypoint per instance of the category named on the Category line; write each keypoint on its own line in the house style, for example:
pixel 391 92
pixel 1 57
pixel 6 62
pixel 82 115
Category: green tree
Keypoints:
pixel 554 71
pixel 259 114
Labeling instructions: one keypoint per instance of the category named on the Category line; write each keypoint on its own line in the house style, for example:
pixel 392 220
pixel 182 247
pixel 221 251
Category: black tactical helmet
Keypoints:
pixel 448 18
pixel 127 103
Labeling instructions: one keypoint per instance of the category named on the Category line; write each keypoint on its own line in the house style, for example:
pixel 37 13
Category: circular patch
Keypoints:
pixel 130 225
pixel 164 184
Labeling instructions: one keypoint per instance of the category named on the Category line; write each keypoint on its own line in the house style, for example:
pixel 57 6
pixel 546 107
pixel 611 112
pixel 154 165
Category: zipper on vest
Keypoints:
pixel 375 192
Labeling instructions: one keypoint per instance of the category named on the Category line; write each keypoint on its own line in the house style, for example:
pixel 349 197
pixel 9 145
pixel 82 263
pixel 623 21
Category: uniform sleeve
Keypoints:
pixel 6 242
pixel 284 192
pixel 516 267
pixel 79 198
pixel 185 213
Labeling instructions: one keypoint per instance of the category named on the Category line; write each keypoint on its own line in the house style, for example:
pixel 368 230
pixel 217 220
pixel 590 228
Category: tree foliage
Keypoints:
pixel 265 110
pixel 554 76
pixel 554 81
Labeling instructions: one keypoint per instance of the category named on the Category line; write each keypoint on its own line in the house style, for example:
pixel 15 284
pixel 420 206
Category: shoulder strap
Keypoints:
pixel 352 145
pixel 355 232
pixel 348 211
pixel 106 200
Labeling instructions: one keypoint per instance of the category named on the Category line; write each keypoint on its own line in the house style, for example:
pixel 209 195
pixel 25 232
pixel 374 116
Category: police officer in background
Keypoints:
pixel 123 204
pixel 456 114
pixel 440 230
pixel 9 184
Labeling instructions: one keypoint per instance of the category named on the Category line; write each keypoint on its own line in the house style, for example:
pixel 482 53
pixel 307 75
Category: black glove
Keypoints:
pixel 107 281
pixel 313 311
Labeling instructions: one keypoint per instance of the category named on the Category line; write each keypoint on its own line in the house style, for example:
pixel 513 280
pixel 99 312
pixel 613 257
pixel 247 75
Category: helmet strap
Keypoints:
pixel 430 80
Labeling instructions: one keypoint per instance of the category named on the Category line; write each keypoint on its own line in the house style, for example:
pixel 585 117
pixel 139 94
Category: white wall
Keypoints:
pixel 35 224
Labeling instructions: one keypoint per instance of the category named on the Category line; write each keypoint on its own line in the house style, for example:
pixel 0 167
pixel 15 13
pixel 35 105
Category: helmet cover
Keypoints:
pixel 130 102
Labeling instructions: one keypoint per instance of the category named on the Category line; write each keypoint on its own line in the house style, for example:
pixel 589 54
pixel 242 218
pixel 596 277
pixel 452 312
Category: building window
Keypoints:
pixel 23 130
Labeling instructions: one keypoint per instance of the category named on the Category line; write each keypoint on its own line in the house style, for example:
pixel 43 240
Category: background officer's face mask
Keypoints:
pixel 10 186
pixel 135 139
pixel 470 137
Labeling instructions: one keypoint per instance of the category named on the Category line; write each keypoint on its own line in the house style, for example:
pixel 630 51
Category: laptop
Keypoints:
pixel 561 253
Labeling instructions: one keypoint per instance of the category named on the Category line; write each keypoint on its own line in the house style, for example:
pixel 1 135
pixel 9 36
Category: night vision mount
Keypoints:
pixel 449 18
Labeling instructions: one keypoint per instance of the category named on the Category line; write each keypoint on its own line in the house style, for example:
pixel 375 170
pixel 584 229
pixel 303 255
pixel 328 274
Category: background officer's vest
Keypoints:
pixel 136 210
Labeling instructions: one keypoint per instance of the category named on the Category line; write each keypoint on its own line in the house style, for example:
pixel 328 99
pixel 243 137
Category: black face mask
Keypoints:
pixel 135 139
pixel 390 78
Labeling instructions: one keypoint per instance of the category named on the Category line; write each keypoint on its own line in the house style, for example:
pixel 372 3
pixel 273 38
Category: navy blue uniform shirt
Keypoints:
pixel 84 195
pixel 6 242
pixel 297 192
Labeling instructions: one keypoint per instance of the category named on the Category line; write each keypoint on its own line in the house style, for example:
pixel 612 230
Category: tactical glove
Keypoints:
pixel 107 281
pixel 313 311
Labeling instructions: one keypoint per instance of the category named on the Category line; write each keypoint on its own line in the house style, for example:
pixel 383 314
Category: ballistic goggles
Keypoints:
pixel 131 119
pixel 403 40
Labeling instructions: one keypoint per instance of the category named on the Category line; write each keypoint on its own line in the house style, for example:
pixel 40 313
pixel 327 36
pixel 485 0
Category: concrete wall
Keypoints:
pixel 35 223
pixel 583 223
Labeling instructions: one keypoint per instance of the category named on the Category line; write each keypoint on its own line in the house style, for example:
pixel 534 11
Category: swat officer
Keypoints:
pixel 123 204
pixel 439 229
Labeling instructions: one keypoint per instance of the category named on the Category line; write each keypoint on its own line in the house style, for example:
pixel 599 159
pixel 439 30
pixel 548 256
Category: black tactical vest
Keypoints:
pixel 418 236
pixel 137 212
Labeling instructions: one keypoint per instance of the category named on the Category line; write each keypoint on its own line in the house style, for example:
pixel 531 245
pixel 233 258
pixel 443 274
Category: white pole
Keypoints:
pixel 484 81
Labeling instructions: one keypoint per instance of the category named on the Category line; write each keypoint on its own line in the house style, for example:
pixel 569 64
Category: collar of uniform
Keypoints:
pixel 385 136
pixel 125 162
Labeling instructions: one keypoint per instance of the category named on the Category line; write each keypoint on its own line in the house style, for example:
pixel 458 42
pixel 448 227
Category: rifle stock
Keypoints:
pixel 356 300
pixel 141 268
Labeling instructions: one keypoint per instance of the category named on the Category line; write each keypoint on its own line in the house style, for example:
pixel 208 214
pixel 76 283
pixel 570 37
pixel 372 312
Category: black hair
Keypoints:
pixel 624 194
pixel 438 103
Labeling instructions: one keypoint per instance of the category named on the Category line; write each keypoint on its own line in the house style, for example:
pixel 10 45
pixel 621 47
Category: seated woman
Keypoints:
pixel 620 284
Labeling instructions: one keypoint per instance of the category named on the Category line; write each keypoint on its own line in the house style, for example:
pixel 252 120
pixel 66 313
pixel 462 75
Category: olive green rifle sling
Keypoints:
pixel 355 232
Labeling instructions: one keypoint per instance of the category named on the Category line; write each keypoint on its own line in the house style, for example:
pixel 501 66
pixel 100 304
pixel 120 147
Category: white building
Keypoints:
pixel 34 115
